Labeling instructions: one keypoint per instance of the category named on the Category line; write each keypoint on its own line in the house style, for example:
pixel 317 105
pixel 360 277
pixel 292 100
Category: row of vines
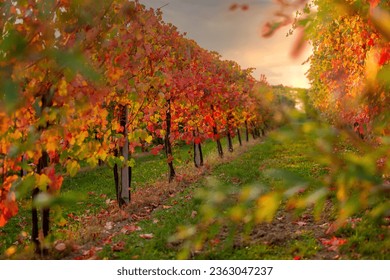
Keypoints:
pixel 346 115
pixel 87 82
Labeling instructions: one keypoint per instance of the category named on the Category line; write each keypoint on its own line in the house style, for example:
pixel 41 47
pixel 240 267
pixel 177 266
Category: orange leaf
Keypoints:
pixel 334 243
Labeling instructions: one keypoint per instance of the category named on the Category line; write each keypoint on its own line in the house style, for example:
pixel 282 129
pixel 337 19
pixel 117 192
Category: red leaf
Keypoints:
pixel 215 241
pixel 373 3
pixel 297 258
pixel 155 150
pixel 8 204
pixel 209 120
pixel 385 57
pixel 119 246
pixel 129 229
pixel 197 140
pixel 334 243
pixel 170 158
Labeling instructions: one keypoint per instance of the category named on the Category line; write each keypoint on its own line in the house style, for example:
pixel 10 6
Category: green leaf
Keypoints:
pixel 9 94
pixel 24 186
pixel 131 163
pixel 13 44
pixel 75 62
pixel 384 76
pixel 72 167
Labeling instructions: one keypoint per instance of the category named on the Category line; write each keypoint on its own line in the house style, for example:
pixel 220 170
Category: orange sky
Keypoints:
pixel 235 35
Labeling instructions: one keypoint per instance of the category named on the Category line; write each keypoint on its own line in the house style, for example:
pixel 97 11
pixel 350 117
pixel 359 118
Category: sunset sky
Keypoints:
pixel 235 35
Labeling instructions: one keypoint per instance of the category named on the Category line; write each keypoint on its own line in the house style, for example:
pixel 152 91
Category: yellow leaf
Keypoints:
pixel 72 167
pixel 42 181
pixel 51 144
pixel 237 213
pixel 149 139
pixel 131 163
pixel 102 154
pixel 16 135
pixel 341 193
pixel 92 161
pixel 115 126
pixel 62 222
pixel 81 137
pixel 267 206
pixel 62 88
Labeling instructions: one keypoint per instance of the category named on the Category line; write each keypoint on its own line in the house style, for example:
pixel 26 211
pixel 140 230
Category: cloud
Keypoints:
pixel 235 35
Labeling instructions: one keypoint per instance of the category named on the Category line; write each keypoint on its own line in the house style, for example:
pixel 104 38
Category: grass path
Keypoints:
pixel 97 229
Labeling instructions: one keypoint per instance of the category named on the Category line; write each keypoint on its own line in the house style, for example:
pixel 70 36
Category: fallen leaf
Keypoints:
pixel 60 247
pixel 334 243
pixel 146 235
pixel 332 228
pixel 124 215
pixel 297 258
pixel 166 207
pixel 300 223
pixel 107 240
pixel 215 241
pixel 193 214
pixel 325 225
pixel 155 221
pixel 118 246
pixel 129 229
pixel 91 253
pixel 109 225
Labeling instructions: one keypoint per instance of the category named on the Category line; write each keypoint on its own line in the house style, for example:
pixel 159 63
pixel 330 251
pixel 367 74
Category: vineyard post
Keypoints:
pixel 198 155
pixel 42 164
pixel 216 135
pixel 168 145
pixel 246 131
pixel 239 136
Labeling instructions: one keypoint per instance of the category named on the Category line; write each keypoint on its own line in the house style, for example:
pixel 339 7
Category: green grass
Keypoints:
pixel 246 169
pixel 365 241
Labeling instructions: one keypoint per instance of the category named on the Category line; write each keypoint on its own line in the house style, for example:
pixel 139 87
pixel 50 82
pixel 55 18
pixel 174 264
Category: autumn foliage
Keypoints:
pixel 88 82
